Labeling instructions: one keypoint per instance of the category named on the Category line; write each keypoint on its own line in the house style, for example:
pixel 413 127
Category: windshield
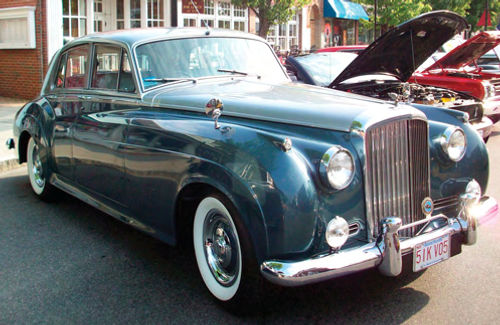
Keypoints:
pixel 325 67
pixel 181 59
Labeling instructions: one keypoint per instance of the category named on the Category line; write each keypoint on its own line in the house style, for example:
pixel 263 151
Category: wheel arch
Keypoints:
pixel 193 190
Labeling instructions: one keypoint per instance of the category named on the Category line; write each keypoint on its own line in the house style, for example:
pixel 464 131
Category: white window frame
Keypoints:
pixel 215 17
pixel 27 12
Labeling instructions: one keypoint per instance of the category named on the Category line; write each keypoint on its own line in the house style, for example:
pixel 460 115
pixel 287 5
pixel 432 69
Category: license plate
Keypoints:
pixel 431 252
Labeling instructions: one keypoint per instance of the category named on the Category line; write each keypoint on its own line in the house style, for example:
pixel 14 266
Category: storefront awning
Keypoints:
pixel 344 9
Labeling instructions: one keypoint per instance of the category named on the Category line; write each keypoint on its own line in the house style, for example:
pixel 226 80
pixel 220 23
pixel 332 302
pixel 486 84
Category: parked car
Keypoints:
pixel 385 68
pixel 458 70
pixel 343 48
pixel 490 60
pixel 200 134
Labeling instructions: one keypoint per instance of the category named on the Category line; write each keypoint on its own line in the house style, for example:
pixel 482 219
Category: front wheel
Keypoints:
pixel 37 173
pixel 223 252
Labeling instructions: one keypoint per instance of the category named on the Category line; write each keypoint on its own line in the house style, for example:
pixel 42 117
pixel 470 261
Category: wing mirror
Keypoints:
pixel 214 108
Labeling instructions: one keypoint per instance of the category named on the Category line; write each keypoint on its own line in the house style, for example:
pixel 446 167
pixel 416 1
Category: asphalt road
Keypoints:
pixel 67 262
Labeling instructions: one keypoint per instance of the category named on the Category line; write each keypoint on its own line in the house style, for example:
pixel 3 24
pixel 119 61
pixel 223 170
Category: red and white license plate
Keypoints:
pixel 431 252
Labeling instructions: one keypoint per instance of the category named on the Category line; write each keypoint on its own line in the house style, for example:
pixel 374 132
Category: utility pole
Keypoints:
pixel 375 20
pixel 486 15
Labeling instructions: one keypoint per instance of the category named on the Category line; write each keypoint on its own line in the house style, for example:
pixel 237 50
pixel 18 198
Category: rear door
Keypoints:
pixel 66 101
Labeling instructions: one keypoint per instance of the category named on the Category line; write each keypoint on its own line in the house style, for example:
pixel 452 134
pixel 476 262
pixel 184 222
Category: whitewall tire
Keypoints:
pixel 217 248
pixel 37 173
pixel 35 168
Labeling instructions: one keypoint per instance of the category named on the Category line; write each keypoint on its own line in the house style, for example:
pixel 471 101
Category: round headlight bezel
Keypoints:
pixel 325 168
pixel 445 143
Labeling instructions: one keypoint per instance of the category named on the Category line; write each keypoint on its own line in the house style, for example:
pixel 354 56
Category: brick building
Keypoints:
pixel 23 47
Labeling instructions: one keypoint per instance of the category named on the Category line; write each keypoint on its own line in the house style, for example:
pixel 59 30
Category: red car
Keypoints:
pixel 458 70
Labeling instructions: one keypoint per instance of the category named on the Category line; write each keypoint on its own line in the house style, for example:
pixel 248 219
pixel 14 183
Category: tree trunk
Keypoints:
pixel 264 27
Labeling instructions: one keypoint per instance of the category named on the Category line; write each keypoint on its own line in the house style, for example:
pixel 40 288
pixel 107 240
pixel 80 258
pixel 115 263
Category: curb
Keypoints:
pixel 8 164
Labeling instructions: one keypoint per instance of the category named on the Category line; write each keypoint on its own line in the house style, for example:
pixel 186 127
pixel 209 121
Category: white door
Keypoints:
pixel 102 16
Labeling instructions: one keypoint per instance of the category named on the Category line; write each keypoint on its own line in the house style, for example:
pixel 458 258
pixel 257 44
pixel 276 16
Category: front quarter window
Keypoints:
pixel 168 60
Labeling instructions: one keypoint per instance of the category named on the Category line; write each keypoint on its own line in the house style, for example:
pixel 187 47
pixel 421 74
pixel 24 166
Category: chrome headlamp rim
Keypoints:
pixel 445 142
pixel 325 162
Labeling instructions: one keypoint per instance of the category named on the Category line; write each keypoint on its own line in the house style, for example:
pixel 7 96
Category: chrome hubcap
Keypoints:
pixel 221 248
pixel 37 170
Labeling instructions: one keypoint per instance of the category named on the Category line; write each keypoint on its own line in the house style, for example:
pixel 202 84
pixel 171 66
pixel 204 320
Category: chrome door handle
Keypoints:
pixel 84 97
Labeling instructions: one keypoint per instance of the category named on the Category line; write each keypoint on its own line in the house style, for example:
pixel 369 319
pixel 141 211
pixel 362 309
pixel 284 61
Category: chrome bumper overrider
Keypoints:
pixel 484 127
pixel 386 253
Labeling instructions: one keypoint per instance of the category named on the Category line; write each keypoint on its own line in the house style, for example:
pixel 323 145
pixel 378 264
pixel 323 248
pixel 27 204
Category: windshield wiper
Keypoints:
pixel 170 79
pixel 238 72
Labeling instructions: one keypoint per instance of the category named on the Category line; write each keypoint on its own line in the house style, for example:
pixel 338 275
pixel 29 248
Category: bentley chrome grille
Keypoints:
pixel 397 172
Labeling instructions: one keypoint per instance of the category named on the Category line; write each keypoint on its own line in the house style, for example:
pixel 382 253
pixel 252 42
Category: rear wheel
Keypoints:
pixel 223 253
pixel 37 172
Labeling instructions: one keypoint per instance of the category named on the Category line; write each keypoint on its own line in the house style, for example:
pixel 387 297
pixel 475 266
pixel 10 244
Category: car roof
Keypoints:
pixel 132 37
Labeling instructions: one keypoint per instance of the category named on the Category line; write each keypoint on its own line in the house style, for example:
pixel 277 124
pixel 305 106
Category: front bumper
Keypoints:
pixel 386 253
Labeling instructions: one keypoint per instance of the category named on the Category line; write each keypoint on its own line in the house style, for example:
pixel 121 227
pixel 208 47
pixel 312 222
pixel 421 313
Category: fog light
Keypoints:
pixel 337 232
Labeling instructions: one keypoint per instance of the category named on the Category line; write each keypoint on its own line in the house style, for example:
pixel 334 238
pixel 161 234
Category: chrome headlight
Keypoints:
pixel 454 143
pixel 337 168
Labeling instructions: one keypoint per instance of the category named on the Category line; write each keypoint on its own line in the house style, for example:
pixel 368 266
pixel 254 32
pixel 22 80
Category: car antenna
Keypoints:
pixel 203 19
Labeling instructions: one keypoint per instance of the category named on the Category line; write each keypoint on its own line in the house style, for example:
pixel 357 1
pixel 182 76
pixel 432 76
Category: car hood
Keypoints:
pixel 288 103
pixel 467 52
pixel 391 53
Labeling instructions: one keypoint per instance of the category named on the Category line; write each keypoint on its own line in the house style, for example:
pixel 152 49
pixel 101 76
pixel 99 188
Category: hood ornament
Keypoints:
pixel 214 108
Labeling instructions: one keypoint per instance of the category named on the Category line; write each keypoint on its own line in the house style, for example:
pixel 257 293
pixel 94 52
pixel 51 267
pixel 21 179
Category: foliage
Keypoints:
pixel 476 9
pixel 394 12
pixel 458 6
pixel 271 12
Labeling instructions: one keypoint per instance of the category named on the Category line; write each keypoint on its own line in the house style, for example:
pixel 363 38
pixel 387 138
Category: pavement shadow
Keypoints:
pixel 68 261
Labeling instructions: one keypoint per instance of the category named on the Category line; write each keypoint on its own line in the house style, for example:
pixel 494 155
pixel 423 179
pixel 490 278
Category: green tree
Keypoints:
pixel 476 9
pixel 458 6
pixel 393 12
pixel 271 12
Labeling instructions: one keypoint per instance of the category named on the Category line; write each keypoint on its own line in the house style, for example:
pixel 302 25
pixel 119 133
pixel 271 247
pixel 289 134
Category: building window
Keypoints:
pixel 120 14
pixel 74 19
pixel 189 22
pixel 155 13
pixel 284 37
pixel 135 13
pixel 239 25
pixel 224 9
pixel 208 7
pixel 17 28
pixel 240 12
pixel 226 24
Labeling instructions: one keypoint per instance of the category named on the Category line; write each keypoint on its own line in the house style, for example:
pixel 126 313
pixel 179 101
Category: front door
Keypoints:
pixel 102 16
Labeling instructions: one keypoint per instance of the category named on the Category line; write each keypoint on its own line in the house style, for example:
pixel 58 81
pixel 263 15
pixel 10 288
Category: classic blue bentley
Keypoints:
pixel 200 134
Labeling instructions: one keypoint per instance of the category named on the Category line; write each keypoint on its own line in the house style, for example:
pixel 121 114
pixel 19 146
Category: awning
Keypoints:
pixel 344 9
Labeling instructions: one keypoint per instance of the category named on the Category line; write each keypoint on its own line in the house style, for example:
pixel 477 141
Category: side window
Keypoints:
pixel 126 77
pixel 106 67
pixel 76 73
pixel 61 71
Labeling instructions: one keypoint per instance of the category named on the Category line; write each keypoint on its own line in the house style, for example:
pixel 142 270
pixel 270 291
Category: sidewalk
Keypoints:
pixel 8 110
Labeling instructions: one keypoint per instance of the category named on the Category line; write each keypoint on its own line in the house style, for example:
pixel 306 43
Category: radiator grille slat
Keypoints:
pixel 397 167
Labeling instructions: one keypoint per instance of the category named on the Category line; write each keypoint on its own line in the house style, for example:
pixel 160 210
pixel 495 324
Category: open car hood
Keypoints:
pixel 467 52
pixel 391 53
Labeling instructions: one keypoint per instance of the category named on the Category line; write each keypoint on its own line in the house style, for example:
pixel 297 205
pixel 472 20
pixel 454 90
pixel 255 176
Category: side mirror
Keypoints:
pixel 214 108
